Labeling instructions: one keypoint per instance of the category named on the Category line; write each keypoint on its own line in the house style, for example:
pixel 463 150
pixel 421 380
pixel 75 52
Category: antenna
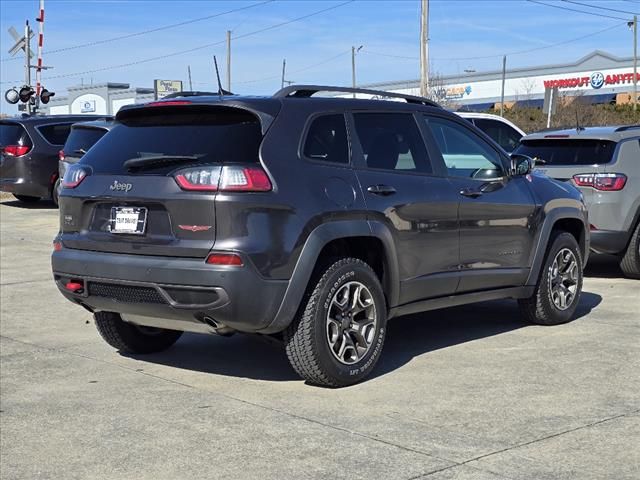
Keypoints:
pixel 221 91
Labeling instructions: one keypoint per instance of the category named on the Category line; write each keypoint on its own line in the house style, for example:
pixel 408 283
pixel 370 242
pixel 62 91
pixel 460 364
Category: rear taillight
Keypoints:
pixel 74 176
pixel 230 178
pixel 16 150
pixel 61 155
pixel 224 259
pixel 606 182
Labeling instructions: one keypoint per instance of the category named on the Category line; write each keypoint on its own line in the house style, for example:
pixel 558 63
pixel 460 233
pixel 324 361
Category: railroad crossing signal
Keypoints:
pixel 20 44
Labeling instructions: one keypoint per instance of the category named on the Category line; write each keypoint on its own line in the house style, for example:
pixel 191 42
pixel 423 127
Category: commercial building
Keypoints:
pixel 598 78
pixel 100 99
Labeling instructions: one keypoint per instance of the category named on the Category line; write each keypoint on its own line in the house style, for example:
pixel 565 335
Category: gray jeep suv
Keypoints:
pixel 604 163
pixel 312 219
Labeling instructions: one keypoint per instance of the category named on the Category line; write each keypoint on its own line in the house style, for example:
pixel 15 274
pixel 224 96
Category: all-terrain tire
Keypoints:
pixel 540 308
pixel 26 198
pixel 55 192
pixel 130 338
pixel 630 263
pixel 306 339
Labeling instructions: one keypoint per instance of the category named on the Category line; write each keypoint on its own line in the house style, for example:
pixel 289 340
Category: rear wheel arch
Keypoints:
pixel 369 242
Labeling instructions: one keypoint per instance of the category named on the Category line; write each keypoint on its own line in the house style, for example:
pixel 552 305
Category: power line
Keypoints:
pixel 145 32
pixel 201 47
pixel 576 10
pixel 601 8
pixel 519 52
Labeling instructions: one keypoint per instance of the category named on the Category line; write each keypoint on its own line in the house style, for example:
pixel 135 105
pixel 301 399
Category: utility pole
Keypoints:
pixel 504 76
pixel 189 72
pixel 635 63
pixel 284 66
pixel 40 21
pixel 424 49
pixel 229 60
pixel 354 50
pixel 27 61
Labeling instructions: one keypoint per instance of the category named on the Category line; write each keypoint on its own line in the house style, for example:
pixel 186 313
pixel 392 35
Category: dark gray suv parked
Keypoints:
pixel 314 219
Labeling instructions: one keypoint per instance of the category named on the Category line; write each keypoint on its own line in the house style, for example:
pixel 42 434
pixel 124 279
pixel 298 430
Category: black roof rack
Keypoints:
pixel 306 91
pixel 627 127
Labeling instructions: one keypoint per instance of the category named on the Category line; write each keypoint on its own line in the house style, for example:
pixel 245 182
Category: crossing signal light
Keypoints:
pixel 26 93
pixel 11 96
pixel 46 95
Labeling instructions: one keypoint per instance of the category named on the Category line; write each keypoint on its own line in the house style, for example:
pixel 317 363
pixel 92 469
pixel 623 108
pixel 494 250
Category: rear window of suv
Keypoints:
pixel 81 140
pixel 13 134
pixel 55 134
pixel 568 152
pixel 210 135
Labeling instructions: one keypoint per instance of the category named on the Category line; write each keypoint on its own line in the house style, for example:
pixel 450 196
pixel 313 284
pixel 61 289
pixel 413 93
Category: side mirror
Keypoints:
pixel 521 164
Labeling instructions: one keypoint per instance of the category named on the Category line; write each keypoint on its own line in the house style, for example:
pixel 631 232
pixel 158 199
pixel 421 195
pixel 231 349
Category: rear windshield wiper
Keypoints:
pixel 157 161
pixel 539 161
pixel 81 151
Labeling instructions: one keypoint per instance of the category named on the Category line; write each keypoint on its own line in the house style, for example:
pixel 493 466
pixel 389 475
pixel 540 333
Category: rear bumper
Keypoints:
pixel 183 294
pixel 22 186
pixel 609 241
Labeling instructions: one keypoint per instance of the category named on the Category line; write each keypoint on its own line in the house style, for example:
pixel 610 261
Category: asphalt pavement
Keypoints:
pixel 464 393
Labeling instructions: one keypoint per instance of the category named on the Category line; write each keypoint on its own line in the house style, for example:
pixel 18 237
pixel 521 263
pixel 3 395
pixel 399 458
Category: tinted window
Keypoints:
pixel 504 135
pixel 465 154
pixel 81 139
pixel 13 134
pixel 327 140
pixel 55 134
pixel 554 151
pixel 210 135
pixel 392 141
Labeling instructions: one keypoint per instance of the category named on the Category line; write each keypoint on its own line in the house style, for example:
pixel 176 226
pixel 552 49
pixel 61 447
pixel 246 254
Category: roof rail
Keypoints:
pixel 627 127
pixel 306 91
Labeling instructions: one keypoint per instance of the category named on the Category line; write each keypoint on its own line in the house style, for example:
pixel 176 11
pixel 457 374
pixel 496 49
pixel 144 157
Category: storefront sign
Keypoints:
pixel 165 87
pixel 596 80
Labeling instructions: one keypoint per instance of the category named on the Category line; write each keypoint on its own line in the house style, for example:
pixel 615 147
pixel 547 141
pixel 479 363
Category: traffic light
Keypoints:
pixel 46 95
pixel 26 93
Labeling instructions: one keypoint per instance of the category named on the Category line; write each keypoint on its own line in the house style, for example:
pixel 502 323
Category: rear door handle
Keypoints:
pixel 468 192
pixel 381 190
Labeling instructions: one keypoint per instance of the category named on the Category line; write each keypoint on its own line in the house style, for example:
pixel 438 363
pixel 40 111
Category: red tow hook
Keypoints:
pixel 74 287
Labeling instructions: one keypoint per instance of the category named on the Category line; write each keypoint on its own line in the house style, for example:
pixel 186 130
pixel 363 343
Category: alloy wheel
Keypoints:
pixel 563 279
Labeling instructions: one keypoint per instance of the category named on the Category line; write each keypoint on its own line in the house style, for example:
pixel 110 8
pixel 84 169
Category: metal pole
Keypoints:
pixel 550 108
pixel 635 63
pixel 504 76
pixel 40 21
pixel 229 60
pixel 353 69
pixel 27 60
pixel 190 84
pixel 284 66
pixel 424 49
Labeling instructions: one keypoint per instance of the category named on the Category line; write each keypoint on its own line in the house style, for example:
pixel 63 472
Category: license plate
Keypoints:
pixel 131 220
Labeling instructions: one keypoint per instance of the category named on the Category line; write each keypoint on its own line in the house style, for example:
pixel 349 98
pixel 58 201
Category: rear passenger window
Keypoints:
pixel 392 141
pixel 327 140
pixel 55 134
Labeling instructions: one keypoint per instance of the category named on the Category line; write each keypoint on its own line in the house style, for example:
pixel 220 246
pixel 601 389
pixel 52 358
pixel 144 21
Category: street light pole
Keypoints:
pixel 504 76
pixel 229 60
pixel 424 49
pixel 635 63
pixel 354 50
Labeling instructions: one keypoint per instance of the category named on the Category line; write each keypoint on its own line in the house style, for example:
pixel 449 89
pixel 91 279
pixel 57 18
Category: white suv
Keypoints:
pixel 502 131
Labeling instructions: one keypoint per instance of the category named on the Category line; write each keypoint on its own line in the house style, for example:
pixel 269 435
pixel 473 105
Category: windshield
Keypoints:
pixel 220 135
pixel 554 151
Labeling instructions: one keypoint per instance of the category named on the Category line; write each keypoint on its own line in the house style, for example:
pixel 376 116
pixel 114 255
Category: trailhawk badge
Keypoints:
pixel 120 187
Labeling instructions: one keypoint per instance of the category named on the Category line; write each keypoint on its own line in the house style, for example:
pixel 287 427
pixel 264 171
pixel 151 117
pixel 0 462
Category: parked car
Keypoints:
pixel 604 163
pixel 312 219
pixel 82 137
pixel 29 147
pixel 504 132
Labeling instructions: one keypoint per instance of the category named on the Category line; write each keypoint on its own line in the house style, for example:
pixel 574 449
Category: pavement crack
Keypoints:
pixel 8 284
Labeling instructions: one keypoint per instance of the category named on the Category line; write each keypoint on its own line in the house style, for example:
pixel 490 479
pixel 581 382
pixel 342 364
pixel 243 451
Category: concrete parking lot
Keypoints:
pixel 465 393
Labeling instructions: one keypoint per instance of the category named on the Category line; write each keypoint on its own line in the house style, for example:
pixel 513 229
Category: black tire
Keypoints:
pixel 307 339
pixel 54 192
pixel 630 263
pixel 27 198
pixel 540 308
pixel 130 338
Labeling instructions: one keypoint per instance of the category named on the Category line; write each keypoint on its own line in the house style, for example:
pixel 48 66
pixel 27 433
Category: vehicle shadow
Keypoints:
pixel 603 266
pixel 40 205
pixel 263 358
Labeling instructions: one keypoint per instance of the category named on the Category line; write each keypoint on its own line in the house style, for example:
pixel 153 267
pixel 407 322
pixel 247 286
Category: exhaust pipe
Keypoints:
pixel 218 327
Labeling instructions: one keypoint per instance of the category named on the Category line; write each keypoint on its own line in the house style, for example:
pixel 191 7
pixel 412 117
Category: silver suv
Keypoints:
pixel 604 163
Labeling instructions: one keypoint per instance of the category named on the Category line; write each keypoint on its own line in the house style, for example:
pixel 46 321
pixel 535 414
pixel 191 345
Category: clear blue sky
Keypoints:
pixel 458 28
